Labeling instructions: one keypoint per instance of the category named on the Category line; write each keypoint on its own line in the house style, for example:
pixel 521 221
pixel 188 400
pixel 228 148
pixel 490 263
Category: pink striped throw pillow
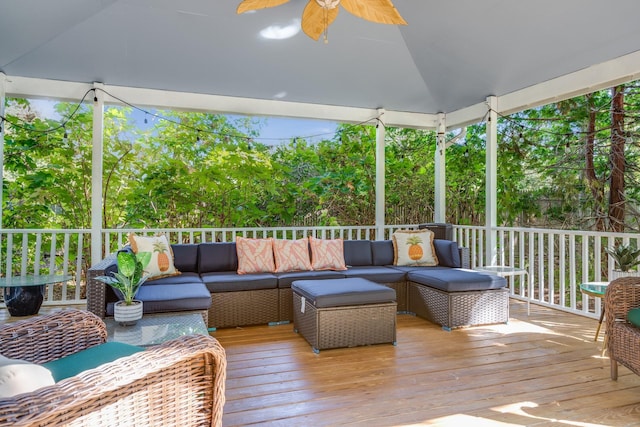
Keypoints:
pixel 327 254
pixel 255 255
pixel 291 255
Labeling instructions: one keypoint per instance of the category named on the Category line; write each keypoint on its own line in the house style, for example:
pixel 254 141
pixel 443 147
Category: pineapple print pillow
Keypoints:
pixel 161 264
pixel 414 247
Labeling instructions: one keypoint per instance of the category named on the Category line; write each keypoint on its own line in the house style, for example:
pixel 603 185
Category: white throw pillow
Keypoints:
pixel 414 248
pixel 18 376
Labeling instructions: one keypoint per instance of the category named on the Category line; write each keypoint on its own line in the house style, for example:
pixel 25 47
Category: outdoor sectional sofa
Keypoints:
pixel 448 294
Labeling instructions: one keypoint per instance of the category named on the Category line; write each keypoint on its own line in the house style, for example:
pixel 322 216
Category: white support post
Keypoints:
pixel 380 176
pixel 96 176
pixel 440 202
pixel 3 79
pixel 491 204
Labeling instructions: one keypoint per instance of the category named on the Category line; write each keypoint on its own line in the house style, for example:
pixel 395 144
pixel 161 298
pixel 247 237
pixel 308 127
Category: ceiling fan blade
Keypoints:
pixel 315 19
pixel 380 11
pixel 248 5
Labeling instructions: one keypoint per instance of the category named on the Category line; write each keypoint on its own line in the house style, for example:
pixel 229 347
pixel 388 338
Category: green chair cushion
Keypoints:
pixel 90 358
pixel 633 316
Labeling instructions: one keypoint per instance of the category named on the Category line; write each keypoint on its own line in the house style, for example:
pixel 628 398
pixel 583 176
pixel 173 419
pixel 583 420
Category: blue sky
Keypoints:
pixel 274 130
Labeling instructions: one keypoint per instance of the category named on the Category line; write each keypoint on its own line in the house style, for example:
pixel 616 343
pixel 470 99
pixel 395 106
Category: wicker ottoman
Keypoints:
pixel 350 312
pixel 456 298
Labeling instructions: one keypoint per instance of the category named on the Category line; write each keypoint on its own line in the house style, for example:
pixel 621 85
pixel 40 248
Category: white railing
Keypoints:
pixel 557 261
pixel 29 251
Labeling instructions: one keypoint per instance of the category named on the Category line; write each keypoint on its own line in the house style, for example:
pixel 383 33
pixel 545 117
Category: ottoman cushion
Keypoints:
pixel 457 280
pixel 343 292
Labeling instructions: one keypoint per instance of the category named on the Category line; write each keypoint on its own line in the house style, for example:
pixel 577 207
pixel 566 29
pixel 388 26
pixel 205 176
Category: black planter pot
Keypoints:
pixel 24 300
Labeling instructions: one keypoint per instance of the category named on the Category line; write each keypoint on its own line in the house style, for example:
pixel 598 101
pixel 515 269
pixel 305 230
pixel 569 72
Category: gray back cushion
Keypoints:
pixel 185 257
pixel 219 256
pixel 357 252
pixel 447 253
pixel 382 252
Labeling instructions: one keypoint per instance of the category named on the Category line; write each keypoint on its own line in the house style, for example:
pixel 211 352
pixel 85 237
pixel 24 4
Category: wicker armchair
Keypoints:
pixel 623 339
pixel 180 382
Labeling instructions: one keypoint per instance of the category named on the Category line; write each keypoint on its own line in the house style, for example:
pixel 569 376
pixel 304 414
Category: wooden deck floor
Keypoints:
pixel 541 370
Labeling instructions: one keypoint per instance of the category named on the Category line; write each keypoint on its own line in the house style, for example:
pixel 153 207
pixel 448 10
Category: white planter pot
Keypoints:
pixel 616 274
pixel 127 315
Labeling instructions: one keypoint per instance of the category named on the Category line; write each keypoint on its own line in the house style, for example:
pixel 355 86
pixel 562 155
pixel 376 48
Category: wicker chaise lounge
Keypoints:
pixel 180 382
pixel 623 339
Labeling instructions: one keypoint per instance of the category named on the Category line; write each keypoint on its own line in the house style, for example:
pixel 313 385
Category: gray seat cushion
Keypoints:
pixel 343 292
pixel 376 273
pixel 230 281
pixel 286 279
pixel 184 278
pixel 166 298
pixel 457 280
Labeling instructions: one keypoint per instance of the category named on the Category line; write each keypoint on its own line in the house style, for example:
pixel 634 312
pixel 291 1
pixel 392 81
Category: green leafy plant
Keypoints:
pixel 625 256
pixel 130 275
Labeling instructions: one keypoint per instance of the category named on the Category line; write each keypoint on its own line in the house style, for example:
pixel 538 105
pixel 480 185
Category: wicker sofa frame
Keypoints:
pixel 180 382
pixel 251 305
pixel 622 338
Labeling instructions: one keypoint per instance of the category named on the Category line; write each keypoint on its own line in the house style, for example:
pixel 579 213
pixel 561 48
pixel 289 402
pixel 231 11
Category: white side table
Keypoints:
pixel 507 271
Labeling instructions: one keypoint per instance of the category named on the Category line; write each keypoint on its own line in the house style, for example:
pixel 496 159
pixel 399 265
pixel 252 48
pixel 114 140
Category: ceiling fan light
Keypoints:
pixel 328 4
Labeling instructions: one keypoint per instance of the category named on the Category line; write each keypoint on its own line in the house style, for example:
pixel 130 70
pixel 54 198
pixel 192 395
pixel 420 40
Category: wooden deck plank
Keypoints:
pixel 543 369
pixel 540 370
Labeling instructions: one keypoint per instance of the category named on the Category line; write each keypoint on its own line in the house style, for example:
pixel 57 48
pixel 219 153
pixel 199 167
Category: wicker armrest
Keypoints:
pixel 622 295
pixel 97 290
pixel 180 382
pixel 45 338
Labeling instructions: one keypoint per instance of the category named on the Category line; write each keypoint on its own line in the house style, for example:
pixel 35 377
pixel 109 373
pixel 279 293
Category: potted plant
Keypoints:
pixel 626 259
pixel 126 281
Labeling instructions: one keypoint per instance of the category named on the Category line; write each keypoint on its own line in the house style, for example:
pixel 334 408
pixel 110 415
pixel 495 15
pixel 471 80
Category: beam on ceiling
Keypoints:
pixel 26 87
pixel 597 77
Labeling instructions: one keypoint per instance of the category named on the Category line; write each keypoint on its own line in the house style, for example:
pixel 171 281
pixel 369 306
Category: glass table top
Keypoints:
pixel 154 329
pixel 502 270
pixel 594 288
pixel 19 281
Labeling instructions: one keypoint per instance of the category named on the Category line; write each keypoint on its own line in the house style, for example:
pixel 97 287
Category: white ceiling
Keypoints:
pixel 451 56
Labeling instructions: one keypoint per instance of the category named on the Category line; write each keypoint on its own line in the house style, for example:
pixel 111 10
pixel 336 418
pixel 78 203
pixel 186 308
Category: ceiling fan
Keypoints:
pixel 319 14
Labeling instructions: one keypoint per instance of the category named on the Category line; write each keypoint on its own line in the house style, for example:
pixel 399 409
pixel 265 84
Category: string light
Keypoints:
pixel 23 124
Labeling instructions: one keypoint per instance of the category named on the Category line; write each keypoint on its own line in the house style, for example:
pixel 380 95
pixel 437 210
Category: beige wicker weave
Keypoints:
pixel 347 326
pixel 180 382
pixel 623 339
pixel 459 309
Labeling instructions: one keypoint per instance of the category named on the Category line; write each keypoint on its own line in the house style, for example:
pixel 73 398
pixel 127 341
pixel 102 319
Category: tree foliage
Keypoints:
pixel 571 164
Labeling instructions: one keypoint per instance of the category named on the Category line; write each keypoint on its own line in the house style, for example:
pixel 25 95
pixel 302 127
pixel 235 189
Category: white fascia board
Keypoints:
pixel 26 87
pixel 597 77
pixel 467 116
